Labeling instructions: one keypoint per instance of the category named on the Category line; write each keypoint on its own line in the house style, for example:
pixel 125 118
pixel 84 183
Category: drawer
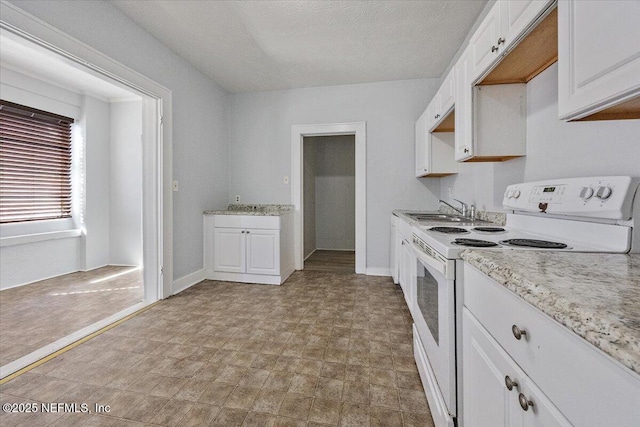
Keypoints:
pixel 587 386
pixel 247 221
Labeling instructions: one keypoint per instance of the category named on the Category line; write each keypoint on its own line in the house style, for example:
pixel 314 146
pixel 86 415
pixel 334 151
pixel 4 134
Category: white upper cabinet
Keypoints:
pixel 599 59
pixel 463 119
pixel 447 94
pixel 516 17
pixel 483 45
pixel 506 23
pixel 435 133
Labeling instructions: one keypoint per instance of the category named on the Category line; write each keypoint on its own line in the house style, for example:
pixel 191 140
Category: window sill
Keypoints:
pixel 39 237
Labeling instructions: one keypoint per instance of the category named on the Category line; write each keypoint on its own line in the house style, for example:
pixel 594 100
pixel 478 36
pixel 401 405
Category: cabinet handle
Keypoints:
pixel 494 48
pixel 517 332
pixel 500 41
pixel 466 150
pixel 524 402
pixel 242 231
pixel 510 383
pixel 247 231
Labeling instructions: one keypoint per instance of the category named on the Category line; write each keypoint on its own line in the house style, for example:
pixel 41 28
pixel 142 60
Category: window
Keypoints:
pixel 35 164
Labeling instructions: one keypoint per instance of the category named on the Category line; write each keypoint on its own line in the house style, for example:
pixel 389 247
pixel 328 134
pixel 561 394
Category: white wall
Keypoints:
pixel 25 263
pixel 111 193
pixel 200 112
pixel 309 195
pixel 260 146
pixel 335 192
pixel 96 124
pixel 125 178
pixel 555 149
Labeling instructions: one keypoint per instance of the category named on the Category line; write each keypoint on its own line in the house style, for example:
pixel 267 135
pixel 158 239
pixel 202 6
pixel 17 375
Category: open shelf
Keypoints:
pixel 448 123
pixel 537 51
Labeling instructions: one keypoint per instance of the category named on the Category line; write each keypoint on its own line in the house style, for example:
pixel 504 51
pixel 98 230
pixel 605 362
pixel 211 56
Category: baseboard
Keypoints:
pixel 335 249
pixel 187 281
pixel 312 252
pixel 375 271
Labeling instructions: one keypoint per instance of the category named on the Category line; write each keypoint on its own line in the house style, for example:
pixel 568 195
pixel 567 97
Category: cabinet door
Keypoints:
pixel 543 413
pixel 487 400
pixel 229 250
pixel 483 45
pixel 263 252
pixel 447 94
pixel 598 55
pixel 517 16
pixel 464 108
pixel 409 265
pixel 422 148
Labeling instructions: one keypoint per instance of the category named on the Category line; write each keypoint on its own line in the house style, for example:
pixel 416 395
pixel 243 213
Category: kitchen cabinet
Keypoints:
pixel 506 23
pixel 555 369
pixel 252 251
pixel 599 60
pixel 513 44
pixel 408 262
pixel 489 372
pixel 249 248
pixel 394 249
pixel 434 136
pixel 491 120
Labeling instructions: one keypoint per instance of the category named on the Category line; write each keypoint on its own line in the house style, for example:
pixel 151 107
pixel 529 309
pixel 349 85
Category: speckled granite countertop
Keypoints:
pixel 597 296
pixel 258 210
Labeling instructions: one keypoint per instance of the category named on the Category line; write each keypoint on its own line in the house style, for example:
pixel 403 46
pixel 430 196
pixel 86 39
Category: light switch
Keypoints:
pixel 175 185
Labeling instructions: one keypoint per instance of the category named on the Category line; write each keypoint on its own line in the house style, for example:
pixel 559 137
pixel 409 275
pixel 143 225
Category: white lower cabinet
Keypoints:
pixel 487 399
pixel 561 379
pixel 250 249
pixel 230 250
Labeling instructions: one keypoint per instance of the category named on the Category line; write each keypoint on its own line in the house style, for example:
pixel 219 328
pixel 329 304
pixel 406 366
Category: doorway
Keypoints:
pixel 356 131
pixel 329 203
pixel 119 220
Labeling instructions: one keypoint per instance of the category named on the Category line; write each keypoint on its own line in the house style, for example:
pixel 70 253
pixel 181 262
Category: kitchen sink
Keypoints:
pixel 441 217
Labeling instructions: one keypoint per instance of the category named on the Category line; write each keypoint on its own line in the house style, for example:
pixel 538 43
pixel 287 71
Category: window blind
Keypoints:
pixel 35 164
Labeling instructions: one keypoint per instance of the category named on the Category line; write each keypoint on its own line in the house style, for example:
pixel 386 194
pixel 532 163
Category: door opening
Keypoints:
pixel 300 133
pixel 329 203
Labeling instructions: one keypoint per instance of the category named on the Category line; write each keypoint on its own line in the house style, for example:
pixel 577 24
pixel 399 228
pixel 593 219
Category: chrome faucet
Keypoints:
pixel 463 207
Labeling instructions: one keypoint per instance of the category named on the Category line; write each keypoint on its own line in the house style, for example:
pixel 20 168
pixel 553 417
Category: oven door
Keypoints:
pixel 434 319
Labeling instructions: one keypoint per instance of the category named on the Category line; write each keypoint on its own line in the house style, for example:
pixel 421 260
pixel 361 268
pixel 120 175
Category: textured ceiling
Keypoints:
pixel 266 45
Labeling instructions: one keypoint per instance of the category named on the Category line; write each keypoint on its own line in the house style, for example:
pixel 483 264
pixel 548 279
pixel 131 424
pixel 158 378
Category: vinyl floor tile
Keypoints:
pixel 324 348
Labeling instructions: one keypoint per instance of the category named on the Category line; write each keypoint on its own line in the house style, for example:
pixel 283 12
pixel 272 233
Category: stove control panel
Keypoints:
pixel 595 197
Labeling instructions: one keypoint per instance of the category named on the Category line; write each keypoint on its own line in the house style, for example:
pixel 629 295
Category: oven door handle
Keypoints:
pixel 439 265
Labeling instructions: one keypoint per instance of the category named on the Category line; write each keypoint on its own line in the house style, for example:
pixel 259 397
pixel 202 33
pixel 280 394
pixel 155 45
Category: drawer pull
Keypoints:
pixel 510 383
pixel 517 332
pixel 524 402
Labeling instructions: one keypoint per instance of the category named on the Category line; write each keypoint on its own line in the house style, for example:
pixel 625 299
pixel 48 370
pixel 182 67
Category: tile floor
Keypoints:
pixel 334 261
pixel 323 349
pixel 40 313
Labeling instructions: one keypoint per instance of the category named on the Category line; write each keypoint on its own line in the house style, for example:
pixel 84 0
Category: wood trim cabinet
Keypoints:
pixel 505 25
pixel 599 60
pixel 491 121
pixel 248 248
pixel 557 370
pixel 434 133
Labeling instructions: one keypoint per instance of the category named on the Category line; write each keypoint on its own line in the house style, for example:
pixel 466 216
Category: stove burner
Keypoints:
pixel 489 229
pixel 532 243
pixel 449 230
pixel 474 243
